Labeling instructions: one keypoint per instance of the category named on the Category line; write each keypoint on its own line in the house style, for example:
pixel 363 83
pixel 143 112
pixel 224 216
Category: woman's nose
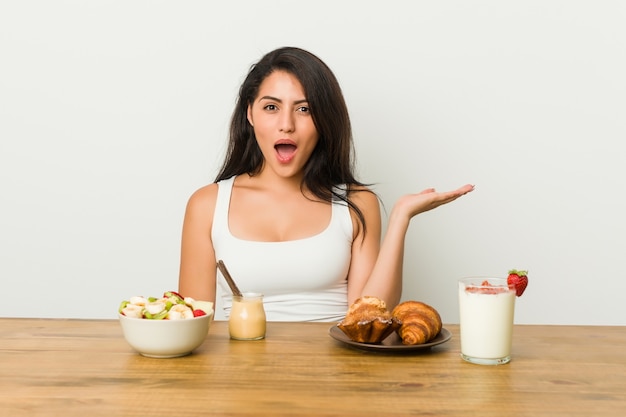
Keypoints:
pixel 286 122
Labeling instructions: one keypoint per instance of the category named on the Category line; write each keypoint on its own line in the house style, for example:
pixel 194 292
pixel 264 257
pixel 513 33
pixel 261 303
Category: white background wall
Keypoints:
pixel 113 112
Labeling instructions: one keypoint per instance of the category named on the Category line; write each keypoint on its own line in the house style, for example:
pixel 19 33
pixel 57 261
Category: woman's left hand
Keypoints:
pixel 428 199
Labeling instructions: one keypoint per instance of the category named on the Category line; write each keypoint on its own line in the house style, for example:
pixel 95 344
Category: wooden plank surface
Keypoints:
pixel 85 368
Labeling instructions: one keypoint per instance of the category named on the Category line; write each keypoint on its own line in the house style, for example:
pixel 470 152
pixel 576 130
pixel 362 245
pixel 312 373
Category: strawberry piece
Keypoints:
pixel 198 313
pixel 485 288
pixel 518 280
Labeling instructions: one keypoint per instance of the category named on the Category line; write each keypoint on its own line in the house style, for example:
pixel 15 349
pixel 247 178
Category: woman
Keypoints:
pixel 286 213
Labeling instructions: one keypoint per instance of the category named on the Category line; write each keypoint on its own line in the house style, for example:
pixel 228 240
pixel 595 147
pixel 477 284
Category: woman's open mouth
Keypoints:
pixel 285 150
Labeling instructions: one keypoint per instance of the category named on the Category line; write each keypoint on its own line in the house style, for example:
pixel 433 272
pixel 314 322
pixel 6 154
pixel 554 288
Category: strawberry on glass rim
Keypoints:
pixel 518 280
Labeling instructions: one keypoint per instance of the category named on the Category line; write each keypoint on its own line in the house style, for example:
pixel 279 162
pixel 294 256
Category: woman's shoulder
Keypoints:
pixel 363 196
pixel 203 198
pixel 367 202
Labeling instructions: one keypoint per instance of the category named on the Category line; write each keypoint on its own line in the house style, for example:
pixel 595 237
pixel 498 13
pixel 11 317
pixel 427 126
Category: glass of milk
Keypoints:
pixel 486 310
pixel 247 319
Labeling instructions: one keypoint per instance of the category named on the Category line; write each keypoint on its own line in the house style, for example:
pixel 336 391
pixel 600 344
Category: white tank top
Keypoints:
pixel 301 280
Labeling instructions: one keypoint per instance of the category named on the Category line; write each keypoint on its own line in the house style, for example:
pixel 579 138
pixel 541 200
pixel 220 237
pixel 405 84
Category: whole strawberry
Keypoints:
pixel 518 280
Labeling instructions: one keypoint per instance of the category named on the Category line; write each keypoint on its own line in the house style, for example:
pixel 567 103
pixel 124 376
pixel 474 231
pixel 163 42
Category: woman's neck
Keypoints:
pixel 267 179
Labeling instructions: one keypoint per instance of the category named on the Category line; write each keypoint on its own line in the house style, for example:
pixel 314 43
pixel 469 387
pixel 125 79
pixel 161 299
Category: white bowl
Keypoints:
pixel 165 338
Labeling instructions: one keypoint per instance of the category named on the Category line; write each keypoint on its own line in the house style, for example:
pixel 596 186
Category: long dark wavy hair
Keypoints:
pixel 331 165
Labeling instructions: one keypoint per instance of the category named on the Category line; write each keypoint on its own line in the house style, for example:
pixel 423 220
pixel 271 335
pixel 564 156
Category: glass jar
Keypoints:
pixel 247 317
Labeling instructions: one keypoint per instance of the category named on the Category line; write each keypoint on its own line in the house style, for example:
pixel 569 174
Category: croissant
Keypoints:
pixel 420 322
pixel 368 321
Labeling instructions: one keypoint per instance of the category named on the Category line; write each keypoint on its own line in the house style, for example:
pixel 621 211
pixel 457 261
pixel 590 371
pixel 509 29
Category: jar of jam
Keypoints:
pixel 247 317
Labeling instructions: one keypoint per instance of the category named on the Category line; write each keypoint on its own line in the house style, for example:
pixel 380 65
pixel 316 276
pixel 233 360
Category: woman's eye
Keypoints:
pixel 303 109
pixel 270 107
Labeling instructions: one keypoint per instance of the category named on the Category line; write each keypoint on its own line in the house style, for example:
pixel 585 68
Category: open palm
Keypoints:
pixel 428 199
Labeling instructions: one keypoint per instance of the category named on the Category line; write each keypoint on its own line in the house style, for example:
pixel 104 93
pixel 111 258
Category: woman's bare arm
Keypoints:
pixel 380 274
pixel 197 259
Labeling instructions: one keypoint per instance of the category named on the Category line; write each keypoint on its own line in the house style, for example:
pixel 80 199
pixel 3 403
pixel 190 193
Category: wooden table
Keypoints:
pixel 85 368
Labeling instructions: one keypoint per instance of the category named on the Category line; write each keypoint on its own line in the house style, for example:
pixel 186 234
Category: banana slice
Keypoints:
pixel 138 301
pixel 180 311
pixel 155 307
pixel 133 310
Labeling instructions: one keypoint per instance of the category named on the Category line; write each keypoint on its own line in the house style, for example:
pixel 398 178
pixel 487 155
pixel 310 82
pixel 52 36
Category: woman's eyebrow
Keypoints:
pixel 280 101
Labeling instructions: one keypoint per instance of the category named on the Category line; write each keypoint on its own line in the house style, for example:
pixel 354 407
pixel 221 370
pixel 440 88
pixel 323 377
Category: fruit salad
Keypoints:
pixel 171 306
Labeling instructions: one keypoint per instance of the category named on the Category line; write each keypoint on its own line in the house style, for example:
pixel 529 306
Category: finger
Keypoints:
pixel 427 191
pixel 460 191
pixel 453 195
pixel 466 188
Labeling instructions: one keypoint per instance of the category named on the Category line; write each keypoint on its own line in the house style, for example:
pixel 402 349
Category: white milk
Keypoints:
pixel 486 322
